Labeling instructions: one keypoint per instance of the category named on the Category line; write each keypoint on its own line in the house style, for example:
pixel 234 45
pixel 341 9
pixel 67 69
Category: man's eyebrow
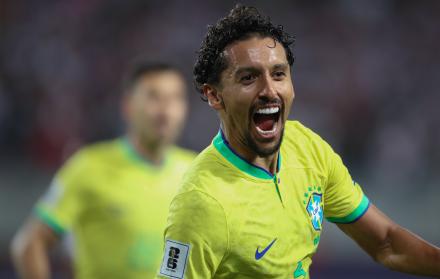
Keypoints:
pixel 282 66
pixel 245 69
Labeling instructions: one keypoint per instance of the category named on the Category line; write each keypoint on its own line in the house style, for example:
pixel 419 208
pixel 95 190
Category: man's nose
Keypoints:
pixel 268 91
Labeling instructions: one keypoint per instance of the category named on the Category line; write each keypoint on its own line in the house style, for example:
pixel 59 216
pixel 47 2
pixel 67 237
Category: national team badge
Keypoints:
pixel 315 210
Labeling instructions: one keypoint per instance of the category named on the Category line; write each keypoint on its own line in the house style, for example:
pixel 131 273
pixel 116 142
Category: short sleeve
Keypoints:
pixel 196 237
pixel 344 200
pixel 59 207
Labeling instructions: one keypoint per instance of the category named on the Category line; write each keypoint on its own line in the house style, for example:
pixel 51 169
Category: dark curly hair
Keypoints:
pixel 240 24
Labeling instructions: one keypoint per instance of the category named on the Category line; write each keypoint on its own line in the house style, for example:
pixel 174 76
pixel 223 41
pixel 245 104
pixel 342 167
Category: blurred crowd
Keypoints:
pixel 365 74
pixel 366 77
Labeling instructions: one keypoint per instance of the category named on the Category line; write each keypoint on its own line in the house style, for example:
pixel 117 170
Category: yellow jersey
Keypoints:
pixel 115 203
pixel 232 219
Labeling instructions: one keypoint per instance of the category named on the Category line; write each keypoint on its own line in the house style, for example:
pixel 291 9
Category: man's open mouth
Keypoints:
pixel 266 120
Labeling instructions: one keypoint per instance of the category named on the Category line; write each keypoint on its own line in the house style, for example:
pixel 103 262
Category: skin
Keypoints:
pixel 154 110
pixel 385 241
pixel 393 246
pixel 258 75
pixel 30 250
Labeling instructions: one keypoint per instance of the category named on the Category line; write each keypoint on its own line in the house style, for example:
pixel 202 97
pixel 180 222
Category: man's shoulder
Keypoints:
pixel 304 146
pixel 103 146
pixel 298 131
pixel 200 185
pixel 182 155
pixel 204 166
pixel 298 134
pixel 207 173
pixel 94 154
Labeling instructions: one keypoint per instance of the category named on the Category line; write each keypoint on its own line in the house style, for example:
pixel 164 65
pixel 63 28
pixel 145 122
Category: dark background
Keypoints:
pixel 366 78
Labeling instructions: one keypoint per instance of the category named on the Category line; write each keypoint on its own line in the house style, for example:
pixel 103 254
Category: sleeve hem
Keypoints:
pixel 50 221
pixel 353 216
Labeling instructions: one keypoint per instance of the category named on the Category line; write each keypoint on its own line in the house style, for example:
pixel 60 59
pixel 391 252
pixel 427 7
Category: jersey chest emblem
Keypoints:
pixel 314 206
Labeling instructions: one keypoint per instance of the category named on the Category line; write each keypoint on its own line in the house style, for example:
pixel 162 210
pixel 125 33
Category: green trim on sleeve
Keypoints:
pixel 355 215
pixel 47 219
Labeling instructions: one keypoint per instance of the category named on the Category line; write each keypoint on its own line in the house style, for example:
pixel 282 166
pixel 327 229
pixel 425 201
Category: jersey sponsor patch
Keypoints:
pixel 174 259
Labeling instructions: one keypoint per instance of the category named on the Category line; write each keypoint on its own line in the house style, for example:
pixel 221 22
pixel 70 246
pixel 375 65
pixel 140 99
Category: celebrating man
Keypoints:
pixel 252 204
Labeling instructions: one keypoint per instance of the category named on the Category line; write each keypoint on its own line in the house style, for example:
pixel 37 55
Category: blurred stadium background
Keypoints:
pixel 366 76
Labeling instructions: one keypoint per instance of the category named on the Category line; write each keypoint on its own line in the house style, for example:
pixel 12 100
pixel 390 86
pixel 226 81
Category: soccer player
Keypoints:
pixel 114 195
pixel 253 202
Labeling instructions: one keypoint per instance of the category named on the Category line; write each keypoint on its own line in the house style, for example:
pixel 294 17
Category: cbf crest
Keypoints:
pixel 314 206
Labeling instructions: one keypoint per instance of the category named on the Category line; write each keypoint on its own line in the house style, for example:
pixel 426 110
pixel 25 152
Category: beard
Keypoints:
pixel 261 151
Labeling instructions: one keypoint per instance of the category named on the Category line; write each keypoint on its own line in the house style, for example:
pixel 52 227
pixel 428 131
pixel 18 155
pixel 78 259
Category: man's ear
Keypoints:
pixel 213 96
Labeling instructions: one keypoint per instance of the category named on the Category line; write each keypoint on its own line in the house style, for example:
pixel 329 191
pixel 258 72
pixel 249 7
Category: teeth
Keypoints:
pixel 274 128
pixel 268 110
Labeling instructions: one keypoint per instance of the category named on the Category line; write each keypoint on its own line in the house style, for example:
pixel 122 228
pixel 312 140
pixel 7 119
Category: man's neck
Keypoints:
pixel 154 153
pixel 269 163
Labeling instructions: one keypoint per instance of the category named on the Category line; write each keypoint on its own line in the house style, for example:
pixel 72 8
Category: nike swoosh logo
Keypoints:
pixel 259 255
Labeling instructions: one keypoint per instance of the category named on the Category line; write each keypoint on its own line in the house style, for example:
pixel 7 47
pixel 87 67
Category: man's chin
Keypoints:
pixel 266 147
pixel 158 139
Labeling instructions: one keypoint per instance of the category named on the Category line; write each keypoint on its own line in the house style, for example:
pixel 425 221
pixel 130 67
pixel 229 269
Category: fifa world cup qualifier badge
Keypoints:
pixel 175 259
pixel 314 205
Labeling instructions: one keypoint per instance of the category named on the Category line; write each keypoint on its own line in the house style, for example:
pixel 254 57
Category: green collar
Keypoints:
pixel 222 146
pixel 133 155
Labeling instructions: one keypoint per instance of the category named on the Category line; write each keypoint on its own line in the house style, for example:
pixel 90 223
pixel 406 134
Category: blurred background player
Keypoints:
pixel 114 195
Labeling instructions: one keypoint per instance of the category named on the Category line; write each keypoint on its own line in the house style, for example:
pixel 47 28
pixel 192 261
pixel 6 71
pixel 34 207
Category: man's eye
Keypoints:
pixel 279 74
pixel 247 78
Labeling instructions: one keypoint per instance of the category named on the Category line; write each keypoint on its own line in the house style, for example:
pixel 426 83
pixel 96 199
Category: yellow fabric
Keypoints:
pixel 241 222
pixel 116 205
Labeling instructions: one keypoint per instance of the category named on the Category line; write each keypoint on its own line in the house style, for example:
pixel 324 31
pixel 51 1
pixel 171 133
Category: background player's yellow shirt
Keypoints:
pixel 116 205
pixel 232 219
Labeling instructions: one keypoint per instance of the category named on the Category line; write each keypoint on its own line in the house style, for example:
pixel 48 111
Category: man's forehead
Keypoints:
pixel 160 83
pixel 164 78
pixel 255 51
